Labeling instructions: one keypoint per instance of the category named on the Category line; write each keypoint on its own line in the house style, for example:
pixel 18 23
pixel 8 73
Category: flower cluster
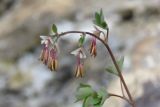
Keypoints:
pixel 49 53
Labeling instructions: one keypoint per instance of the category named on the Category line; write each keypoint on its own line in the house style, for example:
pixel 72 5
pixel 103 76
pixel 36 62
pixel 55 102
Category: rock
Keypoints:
pixel 20 27
pixel 6 5
pixel 144 53
pixel 150 96
pixel 136 81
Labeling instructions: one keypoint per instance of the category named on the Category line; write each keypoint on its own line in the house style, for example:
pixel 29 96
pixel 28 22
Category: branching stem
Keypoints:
pixel 122 97
pixel 112 57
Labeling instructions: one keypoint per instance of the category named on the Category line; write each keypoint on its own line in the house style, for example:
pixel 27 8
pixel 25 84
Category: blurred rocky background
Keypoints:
pixel 134 32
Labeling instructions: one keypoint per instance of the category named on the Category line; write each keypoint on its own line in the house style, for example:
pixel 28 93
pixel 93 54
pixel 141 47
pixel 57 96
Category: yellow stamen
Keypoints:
pixel 54 65
pixel 79 71
pixel 93 51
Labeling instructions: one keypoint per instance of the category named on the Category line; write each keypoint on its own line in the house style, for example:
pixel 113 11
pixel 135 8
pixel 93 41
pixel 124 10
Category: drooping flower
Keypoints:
pixel 93 50
pixel 53 62
pixel 80 54
pixel 44 54
pixel 49 54
pixel 79 70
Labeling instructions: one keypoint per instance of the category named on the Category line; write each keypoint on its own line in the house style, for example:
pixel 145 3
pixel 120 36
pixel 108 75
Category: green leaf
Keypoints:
pixel 120 63
pixel 81 40
pixel 101 15
pixel 88 102
pixel 96 99
pixel 84 102
pixel 99 20
pixel 90 97
pixel 104 25
pixel 83 92
pixel 54 28
pixel 103 94
pixel 113 70
pixel 91 101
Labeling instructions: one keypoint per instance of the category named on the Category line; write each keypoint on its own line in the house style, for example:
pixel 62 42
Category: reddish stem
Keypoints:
pixel 122 97
pixel 112 57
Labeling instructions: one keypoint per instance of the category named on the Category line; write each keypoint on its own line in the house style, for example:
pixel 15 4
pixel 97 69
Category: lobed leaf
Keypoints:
pixel 83 92
pixel 90 97
pixel 91 101
pixel 103 94
pixel 99 20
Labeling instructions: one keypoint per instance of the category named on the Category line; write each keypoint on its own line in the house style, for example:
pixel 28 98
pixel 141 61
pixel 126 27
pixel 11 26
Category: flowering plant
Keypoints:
pixel 85 93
